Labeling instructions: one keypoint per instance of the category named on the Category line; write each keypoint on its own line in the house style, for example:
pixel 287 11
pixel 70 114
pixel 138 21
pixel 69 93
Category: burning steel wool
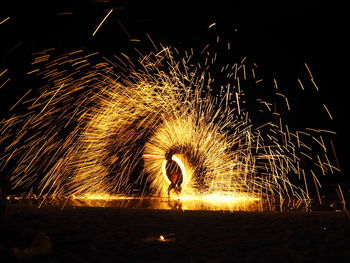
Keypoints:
pixel 156 125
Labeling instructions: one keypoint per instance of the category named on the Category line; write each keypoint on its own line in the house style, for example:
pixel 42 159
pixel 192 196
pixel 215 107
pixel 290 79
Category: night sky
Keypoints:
pixel 280 36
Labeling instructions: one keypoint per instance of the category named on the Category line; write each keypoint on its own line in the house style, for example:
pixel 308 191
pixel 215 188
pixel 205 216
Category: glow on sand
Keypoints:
pixel 101 128
pixel 215 201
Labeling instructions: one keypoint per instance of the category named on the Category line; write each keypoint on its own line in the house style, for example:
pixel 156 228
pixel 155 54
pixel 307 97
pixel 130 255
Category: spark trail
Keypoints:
pixel 107 127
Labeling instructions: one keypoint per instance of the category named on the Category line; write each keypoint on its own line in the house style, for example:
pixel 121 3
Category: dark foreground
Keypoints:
pixel 85 234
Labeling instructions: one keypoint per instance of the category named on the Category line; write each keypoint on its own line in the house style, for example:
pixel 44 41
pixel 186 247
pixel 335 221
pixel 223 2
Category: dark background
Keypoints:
pixel 280 36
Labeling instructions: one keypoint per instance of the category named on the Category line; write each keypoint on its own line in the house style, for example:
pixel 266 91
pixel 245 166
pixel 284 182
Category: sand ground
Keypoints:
pixel 87 234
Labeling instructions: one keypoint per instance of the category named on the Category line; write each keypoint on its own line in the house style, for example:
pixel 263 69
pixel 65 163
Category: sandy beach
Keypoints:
pixel 91 234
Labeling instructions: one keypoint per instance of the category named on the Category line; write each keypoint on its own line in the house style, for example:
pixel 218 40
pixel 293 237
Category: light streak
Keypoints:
pixel 124 29
pixel 5 82
pixel 315 85
pixel 104 19
pixel 308 70
pixel 212 25
pixel 301 84
pixel 342 199
pixel 4 20
pixel 328 112
pixel 3 72
pixel 25 95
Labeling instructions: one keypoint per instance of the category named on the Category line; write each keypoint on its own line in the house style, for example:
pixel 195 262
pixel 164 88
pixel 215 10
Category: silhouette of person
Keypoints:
pixel 174 182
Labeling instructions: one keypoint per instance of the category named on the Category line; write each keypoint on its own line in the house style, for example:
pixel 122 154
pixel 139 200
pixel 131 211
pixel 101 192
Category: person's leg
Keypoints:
pixel 171 186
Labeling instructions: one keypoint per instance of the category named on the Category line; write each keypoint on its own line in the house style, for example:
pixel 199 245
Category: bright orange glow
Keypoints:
pixel 101 197
pixel 215 201
pixel 104 130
